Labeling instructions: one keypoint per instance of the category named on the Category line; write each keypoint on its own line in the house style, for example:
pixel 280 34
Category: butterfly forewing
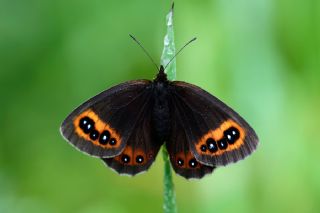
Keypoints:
pixel 216 134
pixel 102 125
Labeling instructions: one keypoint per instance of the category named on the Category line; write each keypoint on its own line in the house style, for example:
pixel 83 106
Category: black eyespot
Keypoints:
pixel 86 124
pixel 193 163
pixel 203 148
pixel 139 159
pixel 223 144
pixel 125 158
pixel 212 145
pixel 232 135
pixel 84 121
pixel 113 142
pixel 94 135
pixel 104 137
pixel 180 162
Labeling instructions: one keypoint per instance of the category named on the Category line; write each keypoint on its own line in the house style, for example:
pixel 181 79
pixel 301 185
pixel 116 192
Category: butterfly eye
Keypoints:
pixel 86 124
pixel 232 135
pixel 223 144
pixel 125 158
pixel 94 135
pixel 104 137
pixel 212 145
pixel 193 163
pixel 139 159
pixel 180 162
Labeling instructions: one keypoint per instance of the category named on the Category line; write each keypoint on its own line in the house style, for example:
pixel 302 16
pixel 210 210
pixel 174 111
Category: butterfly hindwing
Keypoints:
pixel 102 125
pixel 182 160
pixel 141 148
pixel 216 134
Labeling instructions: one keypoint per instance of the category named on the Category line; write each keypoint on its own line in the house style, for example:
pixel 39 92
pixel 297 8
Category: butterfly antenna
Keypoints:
pixel 192 40
pixel 145 51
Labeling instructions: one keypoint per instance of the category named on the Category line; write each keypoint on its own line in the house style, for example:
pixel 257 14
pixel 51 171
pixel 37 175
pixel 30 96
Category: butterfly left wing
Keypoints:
pixel 216 134
pixel 141 149
pixel 102 125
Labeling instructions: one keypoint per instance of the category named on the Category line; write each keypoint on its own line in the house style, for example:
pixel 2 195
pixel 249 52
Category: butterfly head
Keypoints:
pixel 161 76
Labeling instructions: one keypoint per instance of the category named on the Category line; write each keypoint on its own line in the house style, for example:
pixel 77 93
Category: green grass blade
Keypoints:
pixel 169 49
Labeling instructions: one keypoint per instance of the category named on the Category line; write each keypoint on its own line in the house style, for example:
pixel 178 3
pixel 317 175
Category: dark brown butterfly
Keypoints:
pixel 127 124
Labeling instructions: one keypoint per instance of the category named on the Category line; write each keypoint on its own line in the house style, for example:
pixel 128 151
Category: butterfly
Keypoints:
pixel 127 124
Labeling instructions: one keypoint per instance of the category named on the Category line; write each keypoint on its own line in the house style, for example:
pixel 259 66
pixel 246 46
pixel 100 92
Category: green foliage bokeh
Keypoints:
pixel 260 57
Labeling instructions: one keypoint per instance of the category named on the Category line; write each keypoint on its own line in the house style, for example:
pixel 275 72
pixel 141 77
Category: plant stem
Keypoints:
pixel 169 202
pixel 169 205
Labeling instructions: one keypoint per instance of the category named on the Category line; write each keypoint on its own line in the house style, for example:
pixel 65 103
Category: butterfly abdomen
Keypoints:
pixel 161 111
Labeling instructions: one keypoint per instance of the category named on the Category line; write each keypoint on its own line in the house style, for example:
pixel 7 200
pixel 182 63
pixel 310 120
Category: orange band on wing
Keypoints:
pixel 100 126
pixel 218 134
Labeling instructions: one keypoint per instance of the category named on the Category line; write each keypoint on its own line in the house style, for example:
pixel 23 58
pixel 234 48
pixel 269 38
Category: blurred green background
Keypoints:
pixel 261 57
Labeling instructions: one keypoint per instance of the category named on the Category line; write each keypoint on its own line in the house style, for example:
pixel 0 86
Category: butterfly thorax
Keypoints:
pixel 161 111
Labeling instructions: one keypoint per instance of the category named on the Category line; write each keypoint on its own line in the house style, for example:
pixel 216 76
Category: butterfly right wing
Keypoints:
pixel 216 134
